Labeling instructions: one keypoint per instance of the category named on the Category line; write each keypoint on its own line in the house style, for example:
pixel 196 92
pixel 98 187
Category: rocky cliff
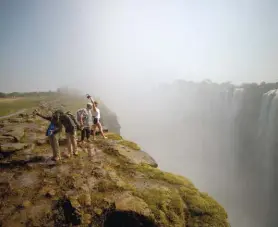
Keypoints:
pixel 111 183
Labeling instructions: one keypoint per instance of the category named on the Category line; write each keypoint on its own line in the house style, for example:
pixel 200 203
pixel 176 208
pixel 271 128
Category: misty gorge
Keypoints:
pixel 158 70
pixel 222 136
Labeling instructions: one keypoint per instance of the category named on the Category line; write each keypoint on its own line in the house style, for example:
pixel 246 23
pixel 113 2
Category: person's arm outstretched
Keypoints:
pixel 92 101
pixel 42 116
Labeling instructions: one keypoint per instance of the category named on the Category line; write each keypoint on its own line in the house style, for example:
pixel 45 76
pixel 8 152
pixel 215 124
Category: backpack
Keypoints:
pixel 72 117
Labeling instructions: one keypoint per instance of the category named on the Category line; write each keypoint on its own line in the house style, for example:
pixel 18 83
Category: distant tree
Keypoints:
pixel 14 94
pixel 2 95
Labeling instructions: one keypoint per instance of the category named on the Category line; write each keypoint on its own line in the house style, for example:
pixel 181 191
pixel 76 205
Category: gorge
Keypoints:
pixel 222 136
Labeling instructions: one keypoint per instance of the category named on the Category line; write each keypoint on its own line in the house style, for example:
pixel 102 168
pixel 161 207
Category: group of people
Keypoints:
pixel 88 120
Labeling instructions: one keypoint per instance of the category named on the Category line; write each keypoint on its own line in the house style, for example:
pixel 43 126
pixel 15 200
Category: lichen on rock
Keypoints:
pixel 119 183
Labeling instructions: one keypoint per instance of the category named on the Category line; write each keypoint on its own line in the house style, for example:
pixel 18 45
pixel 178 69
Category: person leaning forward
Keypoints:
pixel 70 125
pixel 52 133
pixel 57 120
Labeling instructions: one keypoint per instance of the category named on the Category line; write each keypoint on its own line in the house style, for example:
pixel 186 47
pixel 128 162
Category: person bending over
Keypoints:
pixel 70 128
pixel 96 117
pixel 52 133
pixel 60 119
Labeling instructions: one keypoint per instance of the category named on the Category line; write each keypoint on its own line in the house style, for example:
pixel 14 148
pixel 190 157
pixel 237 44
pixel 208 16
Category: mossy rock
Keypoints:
pixel 122 141
pixel 11 147
pixel 114 136
pixel 130 145
pixel 166 205
pixel 157 174
pixel 120 180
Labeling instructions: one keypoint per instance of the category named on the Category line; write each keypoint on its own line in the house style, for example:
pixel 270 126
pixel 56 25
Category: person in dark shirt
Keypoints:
pixel 71 125
pixel 57 120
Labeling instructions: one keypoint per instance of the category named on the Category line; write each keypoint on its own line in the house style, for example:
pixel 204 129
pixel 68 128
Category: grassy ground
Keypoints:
pixel 9 105
pixel 74 103
pixel 12 105
pixel 8 100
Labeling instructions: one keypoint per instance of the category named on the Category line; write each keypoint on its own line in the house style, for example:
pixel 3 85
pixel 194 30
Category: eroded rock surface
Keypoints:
pixel 7 139
pixel 12 147
pixel 110 181
pixel 15 131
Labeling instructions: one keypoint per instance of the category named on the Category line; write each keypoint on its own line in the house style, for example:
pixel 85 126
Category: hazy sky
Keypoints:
pixel 119 43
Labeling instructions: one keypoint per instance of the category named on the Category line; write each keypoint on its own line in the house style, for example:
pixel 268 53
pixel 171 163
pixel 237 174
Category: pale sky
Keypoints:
pixel 45 44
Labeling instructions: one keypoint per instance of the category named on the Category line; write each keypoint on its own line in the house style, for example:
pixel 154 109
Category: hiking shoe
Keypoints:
pixel 76 153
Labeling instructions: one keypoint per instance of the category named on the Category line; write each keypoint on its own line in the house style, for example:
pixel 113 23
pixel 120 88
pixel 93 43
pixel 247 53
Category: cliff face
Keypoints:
pixel 111 182
pixel 109 119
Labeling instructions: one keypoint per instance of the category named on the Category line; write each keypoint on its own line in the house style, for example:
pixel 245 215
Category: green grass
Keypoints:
pixel 157 174
pixel 120 140
pixel 10 106
pixel 114 136
pixel 166 205
pixel 130 145
pixel 203 209
pixel 72 104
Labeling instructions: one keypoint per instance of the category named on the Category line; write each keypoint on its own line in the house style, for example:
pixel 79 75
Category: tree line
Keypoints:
pixel 26 94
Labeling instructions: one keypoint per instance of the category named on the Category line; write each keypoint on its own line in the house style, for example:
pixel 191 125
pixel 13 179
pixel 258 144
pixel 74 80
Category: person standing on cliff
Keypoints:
pixel 86 121
pixel 52 133
pixel 96 117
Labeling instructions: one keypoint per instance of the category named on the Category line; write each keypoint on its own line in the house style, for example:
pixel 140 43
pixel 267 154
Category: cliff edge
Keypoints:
pixel 111 183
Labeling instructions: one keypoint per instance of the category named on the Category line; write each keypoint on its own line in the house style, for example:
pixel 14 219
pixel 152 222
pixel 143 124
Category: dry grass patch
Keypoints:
pixel 9 107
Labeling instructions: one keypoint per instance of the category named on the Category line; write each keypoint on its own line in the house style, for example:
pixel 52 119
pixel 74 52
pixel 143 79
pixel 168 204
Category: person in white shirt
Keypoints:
pixel 96 118
pixel 86 121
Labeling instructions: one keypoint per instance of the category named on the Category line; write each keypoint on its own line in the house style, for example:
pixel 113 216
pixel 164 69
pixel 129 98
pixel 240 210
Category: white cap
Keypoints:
pixel 89 104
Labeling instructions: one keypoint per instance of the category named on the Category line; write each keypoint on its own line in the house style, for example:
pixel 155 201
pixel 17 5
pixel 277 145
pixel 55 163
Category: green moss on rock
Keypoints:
pixel 166 205
pixel 114 136
pixel 130 145
pixel 202 208
pixel 157 174
pixel 118 174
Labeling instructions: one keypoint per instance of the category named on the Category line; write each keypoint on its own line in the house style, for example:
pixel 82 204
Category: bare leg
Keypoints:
pixel 101 131
pixel 94 131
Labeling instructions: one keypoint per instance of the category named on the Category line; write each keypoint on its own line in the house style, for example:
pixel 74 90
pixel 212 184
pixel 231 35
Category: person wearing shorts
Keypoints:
pixel 96 117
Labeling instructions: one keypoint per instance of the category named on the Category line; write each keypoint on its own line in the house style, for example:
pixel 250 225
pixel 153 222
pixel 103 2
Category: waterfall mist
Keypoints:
pixel 220 136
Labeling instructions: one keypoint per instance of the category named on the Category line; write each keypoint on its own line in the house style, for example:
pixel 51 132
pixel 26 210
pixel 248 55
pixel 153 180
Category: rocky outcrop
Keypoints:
pixel 111 183
pixel 9 139
pixel 15 131
pixel 12 147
